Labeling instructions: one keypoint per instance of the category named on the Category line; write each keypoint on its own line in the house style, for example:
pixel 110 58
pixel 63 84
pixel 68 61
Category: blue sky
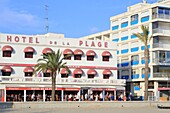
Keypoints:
pixel 74 18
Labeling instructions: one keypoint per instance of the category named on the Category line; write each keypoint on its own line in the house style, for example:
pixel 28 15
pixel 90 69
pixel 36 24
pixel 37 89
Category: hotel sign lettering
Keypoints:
pixel 66 42
pixel 22 39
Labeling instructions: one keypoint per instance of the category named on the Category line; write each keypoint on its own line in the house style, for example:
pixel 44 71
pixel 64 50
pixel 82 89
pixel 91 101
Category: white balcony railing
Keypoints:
pixel 162 31
pixel 161 75
pixel 158 45
pixel 73 81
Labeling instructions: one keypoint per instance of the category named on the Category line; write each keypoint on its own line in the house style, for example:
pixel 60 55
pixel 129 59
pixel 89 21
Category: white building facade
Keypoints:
pixel 131 50
pixel 93 66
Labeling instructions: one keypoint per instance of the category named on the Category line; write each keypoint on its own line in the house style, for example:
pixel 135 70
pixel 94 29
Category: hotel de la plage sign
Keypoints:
pixel 57 42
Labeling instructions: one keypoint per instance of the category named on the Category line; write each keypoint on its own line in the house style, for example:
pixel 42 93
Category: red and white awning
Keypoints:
pixel 29 49
pixel 106 53
pixel 47 50
pixel 7 69
pixel 7 48
pixel 29 69
pixel 90 53
pixel 107 72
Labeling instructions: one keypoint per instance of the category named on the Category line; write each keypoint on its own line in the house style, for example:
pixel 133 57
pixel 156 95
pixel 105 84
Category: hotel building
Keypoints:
pixel 130 52
pixel 93 66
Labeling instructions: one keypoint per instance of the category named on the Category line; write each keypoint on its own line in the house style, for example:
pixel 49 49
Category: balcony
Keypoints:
pixel 162 61
pixel 162 31
pixel 158 45
pixel 161 75
pixel 161 16
pixel 61 81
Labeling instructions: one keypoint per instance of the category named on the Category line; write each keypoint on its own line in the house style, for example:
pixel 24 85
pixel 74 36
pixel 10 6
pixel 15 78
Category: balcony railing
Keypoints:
pixel 161 75
pixel 163 31
pixel 162 61
pixel 62 81
pixel 157 45
pixel 161 16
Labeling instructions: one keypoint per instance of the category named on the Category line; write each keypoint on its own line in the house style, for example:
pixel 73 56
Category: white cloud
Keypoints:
pixel 94 30
pixel 18 20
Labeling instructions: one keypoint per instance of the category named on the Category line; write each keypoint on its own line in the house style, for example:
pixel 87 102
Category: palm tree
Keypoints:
pixel 145 39
pixel 53 62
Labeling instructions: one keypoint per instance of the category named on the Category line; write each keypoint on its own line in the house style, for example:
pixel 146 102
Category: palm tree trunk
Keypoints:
pixel 146 73
pixel 53 85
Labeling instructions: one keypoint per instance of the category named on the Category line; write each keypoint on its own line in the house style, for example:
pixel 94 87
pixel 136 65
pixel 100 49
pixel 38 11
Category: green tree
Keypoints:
pixel 54 62
pixel 144 37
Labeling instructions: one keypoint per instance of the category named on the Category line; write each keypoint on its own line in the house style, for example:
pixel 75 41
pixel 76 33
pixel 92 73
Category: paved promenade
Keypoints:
pixel 87 110
pixel 85 107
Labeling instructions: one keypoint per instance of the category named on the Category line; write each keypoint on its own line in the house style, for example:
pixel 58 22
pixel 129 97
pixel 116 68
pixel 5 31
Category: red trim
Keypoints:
pixel 29 49
pixel 106 89
pixel 71 66
pixel 40 88
pixel 47 50
pixel 78 52
pixel 91 72
pixel 90 53
pixel 7 69
pixel 67 52
pixel 106 53
pixel 107 72
pixel 28 69
pixel 7 48
pixel 164 88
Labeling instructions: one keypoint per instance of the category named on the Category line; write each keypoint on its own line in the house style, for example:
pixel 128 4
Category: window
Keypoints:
pixel 6 53
pixel 90 58
pixel 64 75
pixel 135 71
pixel 143 70
pixel 28 74
pixel 134 17
pixel 155 25
pixel 106 76
pixel 46 74
pixel 90 76
pixel 77 57
pixel 77 75
pixel 105 58
pixel 67 57
pixel 6 73
pixel 150 85
pixel 28 54
pixel 135 58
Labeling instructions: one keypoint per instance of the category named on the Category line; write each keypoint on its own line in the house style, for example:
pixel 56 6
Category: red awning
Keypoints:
pixel 7 69
pixel 91 72
pixel 107 72
pixel 106 53
pixel 90 53
pixel 78 71
pixel 67 52
pixel 7 48
pixel 47 50
pixel 47 71
pixel 64 71
pixel 78 52
pixel 29 49
pixel 29 69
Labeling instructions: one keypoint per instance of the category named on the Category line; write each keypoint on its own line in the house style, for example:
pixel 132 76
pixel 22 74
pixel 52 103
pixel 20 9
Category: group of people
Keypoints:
pixel 89 97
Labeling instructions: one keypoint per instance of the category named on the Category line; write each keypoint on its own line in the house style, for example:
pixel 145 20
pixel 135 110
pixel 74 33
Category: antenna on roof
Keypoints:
pixel 46 18
pixel 144 1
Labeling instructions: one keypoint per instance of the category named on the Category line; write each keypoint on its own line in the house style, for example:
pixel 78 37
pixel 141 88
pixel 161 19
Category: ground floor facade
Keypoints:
pixel 157 90
pixel 63 93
